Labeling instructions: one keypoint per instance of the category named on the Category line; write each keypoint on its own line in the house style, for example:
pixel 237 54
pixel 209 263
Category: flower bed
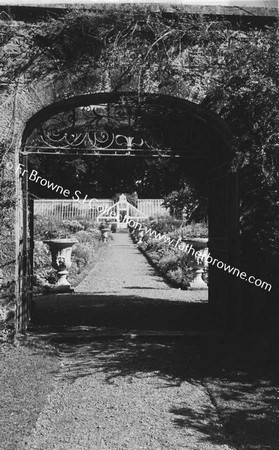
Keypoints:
pixel 176 266
pixel 171 264
pixel 84 255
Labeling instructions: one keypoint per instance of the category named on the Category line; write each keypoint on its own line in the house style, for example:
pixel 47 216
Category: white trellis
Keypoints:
pixel 121 212
pixel 90 209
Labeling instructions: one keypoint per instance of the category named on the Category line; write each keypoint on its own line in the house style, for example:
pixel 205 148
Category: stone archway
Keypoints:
pixel 124 125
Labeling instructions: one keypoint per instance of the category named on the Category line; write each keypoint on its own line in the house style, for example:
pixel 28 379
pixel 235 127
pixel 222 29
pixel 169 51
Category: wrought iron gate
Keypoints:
pixel 25 250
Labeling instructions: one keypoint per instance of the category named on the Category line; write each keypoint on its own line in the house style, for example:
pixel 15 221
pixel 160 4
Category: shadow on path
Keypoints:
pixel 240 376
pixel 243 389
pixel 121 312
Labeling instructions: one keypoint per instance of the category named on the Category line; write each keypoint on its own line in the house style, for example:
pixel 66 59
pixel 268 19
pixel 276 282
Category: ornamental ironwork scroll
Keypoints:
pixel 108 129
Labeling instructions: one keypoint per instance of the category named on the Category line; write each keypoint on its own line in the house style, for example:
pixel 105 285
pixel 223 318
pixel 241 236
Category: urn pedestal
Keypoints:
pixel 200 245
pixel 105 234
pixel 61 251
pixel 140 235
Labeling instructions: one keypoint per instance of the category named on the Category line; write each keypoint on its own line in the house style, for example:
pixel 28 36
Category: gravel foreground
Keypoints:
pixel 136 393
pixel 80 383
pixel 127 395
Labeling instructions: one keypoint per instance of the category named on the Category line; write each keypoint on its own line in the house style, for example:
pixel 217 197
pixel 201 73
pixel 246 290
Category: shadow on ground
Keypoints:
pixel 242 385
pixel 240 373
pixel 123 312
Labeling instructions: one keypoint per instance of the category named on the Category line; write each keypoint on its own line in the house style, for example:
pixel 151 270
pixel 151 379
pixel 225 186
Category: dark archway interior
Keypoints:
pixel 104 177
pixel 101 143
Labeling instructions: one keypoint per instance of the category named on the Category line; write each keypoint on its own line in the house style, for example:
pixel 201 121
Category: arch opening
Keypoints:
pixel 120 125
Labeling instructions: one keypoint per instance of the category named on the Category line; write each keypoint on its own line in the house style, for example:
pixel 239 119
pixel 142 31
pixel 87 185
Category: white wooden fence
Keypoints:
pixel 90 209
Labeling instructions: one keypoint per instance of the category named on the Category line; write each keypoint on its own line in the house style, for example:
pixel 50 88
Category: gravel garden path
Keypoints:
pixel 126 392
pixel 125 271
pixel 124 292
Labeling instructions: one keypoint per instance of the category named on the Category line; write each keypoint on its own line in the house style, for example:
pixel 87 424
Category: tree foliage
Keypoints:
pixel 247 100
pixel 182 202
pixel 104 177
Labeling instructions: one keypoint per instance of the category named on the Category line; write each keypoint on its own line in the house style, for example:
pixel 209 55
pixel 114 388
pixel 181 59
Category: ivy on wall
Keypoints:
pixel 233 71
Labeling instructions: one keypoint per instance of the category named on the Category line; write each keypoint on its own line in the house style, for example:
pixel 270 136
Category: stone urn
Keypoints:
pixel 105 234
pixel 140 235
pixel 199 245
pixel 61 251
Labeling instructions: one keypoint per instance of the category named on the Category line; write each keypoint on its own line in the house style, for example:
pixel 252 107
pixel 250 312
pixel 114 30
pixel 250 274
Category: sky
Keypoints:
pixel 242 3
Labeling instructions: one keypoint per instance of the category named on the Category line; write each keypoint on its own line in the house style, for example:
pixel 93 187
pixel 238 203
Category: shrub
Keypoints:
pixel 193 230
pixel 154 256
pixel 81 255
pixel 205 275
pixel 46 227
pixel 49 227
pixel 88 225
pixel 165 224
pixel 175 228
pixel 169 262
pixel 72 225
pixel 160 247
pixel 178 277
pixel 44 274
pixel 88 236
